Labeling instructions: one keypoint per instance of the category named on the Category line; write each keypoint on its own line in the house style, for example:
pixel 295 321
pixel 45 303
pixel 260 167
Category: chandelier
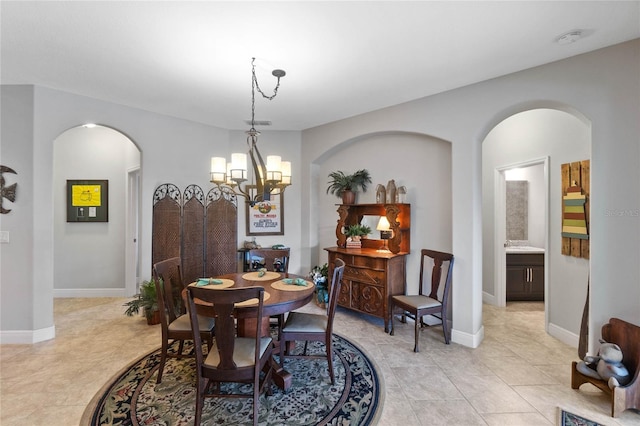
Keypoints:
pixel 268 179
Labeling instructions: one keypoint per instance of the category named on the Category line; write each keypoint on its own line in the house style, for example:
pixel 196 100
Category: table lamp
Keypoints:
pixel 385 232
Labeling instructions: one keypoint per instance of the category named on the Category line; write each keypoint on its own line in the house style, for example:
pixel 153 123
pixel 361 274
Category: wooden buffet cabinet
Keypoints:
pixel 372 276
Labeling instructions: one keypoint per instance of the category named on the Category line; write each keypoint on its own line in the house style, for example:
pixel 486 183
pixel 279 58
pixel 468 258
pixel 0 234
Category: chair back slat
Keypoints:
pixel 220 304
pixel 170 273
pixel 270 257
pixel 437 290
pixel 334 292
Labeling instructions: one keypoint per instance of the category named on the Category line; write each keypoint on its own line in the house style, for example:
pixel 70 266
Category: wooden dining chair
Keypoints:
pixel 232 358
pixel 435 302
pixel 174 322
pixel 171 270
pixel 276 260
pixel 313 327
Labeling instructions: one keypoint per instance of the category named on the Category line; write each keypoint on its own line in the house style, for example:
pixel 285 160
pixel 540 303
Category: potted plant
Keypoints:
pixel 147 299
pixel 346 186
pixel 320 277
pixel 357 231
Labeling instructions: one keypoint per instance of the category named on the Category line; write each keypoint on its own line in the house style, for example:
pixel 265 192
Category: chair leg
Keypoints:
pixel 256 402
pixel 180 347
pixel 201 388
pixel 283 345
pixel 446 330
pixel 415 347
pixel 163 360
pixel 391 320
pixel 330 360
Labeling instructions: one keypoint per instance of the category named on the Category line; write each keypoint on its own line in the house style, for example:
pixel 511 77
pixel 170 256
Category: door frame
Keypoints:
pixel 500 237
pixel 132 238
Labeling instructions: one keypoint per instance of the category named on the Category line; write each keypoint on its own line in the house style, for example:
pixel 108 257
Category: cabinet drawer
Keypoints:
pixel 367 276
pixel 368 262
pixel 534 259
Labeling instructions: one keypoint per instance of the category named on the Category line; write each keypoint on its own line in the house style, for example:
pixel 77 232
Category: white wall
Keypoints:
pixel 537 191
pixel 426 174
pixel 91 255
pixel 17 257
pixel 603 86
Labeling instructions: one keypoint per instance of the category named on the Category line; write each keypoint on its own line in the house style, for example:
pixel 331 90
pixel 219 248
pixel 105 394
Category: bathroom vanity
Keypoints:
pixel 525 274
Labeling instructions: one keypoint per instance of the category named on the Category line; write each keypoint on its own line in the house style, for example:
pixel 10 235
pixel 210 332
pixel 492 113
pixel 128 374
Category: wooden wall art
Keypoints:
pixel 575 208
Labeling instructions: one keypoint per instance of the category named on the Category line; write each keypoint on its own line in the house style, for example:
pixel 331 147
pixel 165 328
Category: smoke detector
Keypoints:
pixel 570 37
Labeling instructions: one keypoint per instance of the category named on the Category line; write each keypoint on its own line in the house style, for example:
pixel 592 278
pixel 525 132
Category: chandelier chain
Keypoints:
pixel 255 85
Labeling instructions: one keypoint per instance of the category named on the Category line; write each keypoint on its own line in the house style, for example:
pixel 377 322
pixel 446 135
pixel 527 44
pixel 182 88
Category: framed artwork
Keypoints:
pixel 87 201
pixel 266 217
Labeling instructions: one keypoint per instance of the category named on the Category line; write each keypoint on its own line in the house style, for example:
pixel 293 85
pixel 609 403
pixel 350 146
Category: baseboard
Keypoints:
pixel 563 335
pixel 27 337
pixel 466 339
pixel 489 299
pixel 89 292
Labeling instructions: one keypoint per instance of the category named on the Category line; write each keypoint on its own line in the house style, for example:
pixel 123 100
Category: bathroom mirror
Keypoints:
pixel 517 203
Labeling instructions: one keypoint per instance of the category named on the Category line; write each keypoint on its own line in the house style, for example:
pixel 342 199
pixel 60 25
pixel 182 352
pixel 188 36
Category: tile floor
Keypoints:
pixel 518 376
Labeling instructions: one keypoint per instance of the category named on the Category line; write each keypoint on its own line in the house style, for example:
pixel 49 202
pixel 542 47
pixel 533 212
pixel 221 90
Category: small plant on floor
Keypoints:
pixel 147 300
pixel 320 277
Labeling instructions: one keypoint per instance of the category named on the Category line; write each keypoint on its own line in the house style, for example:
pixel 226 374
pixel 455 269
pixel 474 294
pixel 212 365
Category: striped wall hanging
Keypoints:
pixel 575 208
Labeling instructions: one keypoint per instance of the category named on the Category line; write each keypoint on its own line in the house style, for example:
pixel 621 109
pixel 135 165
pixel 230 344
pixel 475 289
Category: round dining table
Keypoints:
pixel 282 295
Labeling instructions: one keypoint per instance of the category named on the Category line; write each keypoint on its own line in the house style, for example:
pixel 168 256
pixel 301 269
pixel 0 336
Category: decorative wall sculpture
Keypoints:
pixel 8 192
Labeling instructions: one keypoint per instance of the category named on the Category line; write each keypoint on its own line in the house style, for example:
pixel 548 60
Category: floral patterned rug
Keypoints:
pixel 566 418
pixel 133 398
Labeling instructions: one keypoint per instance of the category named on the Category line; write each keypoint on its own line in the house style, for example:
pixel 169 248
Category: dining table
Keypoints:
pixel 284 292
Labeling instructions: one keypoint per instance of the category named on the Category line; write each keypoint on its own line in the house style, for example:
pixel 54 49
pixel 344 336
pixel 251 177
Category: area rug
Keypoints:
pixel 566 418
pixel 132 397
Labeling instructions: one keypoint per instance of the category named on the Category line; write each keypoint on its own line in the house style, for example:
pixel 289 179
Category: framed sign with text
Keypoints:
pixel 87 201
pixel 266 217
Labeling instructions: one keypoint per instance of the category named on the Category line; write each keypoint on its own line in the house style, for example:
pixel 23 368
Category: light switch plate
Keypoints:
pixel 4 236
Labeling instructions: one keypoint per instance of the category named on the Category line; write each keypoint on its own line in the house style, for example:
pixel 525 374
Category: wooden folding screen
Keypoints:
pixel 222 232
pixel 203 236
pixel 193 234
pixel 166 236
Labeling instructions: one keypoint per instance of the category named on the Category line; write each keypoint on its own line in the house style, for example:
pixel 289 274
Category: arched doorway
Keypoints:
pixel 94 259
pixel 534 136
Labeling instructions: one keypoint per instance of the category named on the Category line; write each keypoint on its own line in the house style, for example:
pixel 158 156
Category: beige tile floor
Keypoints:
pixel 518 376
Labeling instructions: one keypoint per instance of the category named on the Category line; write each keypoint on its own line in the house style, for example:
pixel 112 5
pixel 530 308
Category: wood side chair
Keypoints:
pixel 171 270
pixel 269 258
pixel 232 358
pixel 313 327
pixel 276 260
pixel 435 302
pixel 174 322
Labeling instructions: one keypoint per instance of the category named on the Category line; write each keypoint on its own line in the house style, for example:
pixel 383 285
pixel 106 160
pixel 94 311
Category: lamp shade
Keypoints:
pixel 383 224
pixel 218 169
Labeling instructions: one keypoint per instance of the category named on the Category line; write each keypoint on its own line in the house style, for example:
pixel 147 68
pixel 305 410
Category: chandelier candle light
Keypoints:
pixel 269 179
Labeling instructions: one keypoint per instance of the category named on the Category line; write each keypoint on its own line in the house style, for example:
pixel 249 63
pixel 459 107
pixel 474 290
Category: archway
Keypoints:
pixel 96 153
pixel 528 137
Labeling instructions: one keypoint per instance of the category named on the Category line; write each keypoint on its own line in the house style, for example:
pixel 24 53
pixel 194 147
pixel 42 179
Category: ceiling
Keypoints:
pixel 192 60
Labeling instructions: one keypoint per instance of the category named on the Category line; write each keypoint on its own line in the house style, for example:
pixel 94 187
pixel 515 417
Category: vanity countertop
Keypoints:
pixel 524 250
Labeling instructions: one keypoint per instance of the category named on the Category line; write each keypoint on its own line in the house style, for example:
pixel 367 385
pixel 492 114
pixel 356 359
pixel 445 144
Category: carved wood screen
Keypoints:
pixel 201 230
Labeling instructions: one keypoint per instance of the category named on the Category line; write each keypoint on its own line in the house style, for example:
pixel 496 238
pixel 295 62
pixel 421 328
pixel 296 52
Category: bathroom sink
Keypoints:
pixel 523 249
